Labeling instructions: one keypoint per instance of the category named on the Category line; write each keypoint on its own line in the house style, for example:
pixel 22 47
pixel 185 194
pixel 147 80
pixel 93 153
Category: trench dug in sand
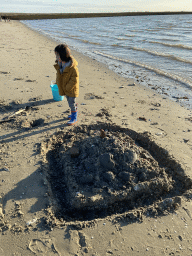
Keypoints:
pixel 94 173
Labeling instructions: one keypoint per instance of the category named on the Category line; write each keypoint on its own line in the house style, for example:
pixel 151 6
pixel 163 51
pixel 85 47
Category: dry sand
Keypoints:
pixel 26 71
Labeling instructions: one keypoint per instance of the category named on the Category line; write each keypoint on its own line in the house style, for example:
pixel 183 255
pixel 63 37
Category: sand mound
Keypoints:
pixel 103 170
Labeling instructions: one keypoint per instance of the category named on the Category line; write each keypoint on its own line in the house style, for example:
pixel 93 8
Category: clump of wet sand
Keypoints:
pixel 97 173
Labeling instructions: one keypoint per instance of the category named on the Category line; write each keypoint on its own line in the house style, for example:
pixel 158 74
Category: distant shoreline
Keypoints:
pixel 35 16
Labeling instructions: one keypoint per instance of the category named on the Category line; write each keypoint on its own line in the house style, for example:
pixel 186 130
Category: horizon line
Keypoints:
pixel 33 16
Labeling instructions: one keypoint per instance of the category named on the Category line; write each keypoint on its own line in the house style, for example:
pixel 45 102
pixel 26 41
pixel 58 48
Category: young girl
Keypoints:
pixel 67 78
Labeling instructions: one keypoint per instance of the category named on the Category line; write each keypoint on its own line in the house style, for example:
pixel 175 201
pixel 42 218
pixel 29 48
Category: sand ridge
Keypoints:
pixel 105 97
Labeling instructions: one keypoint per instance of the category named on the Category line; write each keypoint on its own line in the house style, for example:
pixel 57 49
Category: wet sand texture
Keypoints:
pixel 92 176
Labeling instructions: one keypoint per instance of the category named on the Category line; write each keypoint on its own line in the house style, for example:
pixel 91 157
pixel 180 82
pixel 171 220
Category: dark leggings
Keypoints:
pixel 72 104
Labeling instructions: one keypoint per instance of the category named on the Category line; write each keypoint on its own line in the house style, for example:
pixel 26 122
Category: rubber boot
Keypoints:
pixel 69 116
pixel 73 119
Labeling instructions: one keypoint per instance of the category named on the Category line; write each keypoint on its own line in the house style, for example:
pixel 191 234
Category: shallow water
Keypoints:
pixel 154 50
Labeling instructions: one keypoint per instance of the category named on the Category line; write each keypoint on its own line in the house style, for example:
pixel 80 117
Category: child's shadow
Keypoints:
pixel 31 188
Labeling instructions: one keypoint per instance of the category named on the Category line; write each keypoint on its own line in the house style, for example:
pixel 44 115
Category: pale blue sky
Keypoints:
pixel 122 5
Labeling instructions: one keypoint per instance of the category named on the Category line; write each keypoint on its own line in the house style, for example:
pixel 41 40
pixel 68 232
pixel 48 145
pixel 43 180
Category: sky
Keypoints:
pixel 102 5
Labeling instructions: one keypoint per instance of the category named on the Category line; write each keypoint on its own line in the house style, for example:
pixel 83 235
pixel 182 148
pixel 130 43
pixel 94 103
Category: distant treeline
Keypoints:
pixel 35 16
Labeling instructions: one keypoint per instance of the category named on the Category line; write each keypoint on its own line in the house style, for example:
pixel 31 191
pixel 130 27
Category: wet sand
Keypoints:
pixel 26 205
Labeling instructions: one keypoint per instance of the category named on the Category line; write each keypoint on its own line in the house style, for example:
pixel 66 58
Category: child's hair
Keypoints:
pixel 64 52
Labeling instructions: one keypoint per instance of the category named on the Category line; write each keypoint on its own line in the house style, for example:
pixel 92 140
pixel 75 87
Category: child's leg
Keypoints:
pixel 73 107
pixel 72 104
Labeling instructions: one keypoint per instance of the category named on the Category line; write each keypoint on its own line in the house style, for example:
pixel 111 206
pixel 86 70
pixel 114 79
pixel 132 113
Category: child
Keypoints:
pixel 67 78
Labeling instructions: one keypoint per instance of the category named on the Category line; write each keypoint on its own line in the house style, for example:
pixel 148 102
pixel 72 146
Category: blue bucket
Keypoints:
pixel 55 92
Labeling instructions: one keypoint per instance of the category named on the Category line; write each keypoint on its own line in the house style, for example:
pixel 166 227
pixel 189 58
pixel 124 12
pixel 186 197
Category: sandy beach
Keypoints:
pixel 31 124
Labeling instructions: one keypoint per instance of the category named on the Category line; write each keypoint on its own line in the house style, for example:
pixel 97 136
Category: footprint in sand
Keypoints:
pixel 83 240
pixel 4 72
pixel 43 247
pixel 19 78
pixel 29 80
